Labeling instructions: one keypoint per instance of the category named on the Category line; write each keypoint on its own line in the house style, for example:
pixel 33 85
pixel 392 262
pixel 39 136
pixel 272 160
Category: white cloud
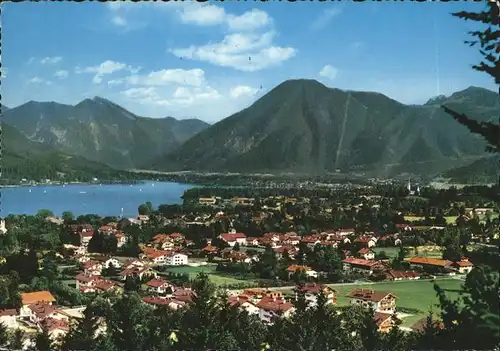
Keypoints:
pixel 107 67
pixel 51 60
pixel 62 74
pixel 119 21
pixel 329 72
pixel 212 15
pixel 38 80
pixel 242 90
pixel 250 20
pixel 244 52
pixel 322 20
pixel 182 96
pixel 202 15
pixel 35 80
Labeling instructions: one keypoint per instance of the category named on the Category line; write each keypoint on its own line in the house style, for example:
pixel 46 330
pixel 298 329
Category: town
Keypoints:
pixel 376 248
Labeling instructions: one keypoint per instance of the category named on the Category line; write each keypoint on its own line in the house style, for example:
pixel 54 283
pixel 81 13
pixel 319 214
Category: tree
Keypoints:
pixel 471 322
pixel 16 339
pixel 489 42
pixel 82 334
pixel 4 337
pixel 67 216
pixel 44 213
pixel 43 342
pixel 144 210
pixel 236 247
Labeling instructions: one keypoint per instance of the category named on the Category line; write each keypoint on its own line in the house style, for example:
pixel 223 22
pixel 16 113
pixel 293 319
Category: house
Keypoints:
pixel 232 238
pixel 421 324
pixel 57 328
pixel 311 291
pixel 3 229
pixel 137 271
pixel 209 249
pixel 366 253
pixel 252 241
pixel 85 235
pixel 121 239
pixel 157 257
pixel 244 302
pixel 385 321
pixel 92 267
pixel 401 275
pixel 106 262
pixel 307 270
pixel 176 259
pixel 361 265
pixel 463 267
pixel 207 200
pixel 430 265
pixel 272 307
pixel 39 311
pixel 8 317
pixel 379 301
pixel 85 280
pixel 34 297
pixel 160 287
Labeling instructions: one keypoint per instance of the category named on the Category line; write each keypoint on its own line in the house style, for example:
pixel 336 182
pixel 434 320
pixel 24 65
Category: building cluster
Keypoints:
pixel 39 311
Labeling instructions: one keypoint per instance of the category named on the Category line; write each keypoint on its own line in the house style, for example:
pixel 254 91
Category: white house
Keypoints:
pixel 3 229
pixel 31 298
pixel 380 301
pixel 366 253
pixel 311 291
pixel 232 238
pixel 273 307
pixel 176 259
pixel 159 286
pixel 8 317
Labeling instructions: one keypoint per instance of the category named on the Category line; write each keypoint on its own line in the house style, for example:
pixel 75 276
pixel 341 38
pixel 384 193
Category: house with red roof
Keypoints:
pixel 366 253
pixel 160 287
pixel 311 291
pixel 361 265
pixel 384 321
pixel 272 307
pixel 8 317
pixel 464 266
pixel 232 238
pixel 379 301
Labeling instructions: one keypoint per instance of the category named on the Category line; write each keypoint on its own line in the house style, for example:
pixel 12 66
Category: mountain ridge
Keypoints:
pixel 100 130
pixel 302 124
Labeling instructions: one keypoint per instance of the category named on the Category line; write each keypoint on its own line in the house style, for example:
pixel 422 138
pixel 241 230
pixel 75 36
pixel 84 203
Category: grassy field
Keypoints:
pixel 215 277
pixel 393 251
pixel 449 219
pixel 419 295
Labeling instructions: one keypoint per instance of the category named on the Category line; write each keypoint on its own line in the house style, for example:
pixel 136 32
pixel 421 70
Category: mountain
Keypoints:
pixel 100 130
pixel 23 158
pixel 484 170
pixel 303 126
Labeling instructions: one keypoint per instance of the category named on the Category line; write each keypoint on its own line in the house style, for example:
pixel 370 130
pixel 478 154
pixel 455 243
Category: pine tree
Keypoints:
pixel 3 335
pixel 16 339
pixel 82 334
pixel 43 341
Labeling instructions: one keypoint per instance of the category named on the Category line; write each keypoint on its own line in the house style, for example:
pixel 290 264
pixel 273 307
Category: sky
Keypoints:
pixel 210 60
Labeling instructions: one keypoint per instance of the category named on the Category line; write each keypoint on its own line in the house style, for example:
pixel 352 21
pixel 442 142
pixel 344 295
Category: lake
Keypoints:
pixel 104 200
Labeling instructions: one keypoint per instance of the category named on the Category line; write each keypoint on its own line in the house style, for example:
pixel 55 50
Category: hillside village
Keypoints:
pixel 265 272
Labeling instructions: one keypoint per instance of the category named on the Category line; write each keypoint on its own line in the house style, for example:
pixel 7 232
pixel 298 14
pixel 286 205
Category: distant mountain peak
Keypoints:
pixel 436 100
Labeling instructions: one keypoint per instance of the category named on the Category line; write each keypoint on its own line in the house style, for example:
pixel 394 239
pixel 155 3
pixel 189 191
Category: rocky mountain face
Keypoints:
pixel 100 130
pixel 304 126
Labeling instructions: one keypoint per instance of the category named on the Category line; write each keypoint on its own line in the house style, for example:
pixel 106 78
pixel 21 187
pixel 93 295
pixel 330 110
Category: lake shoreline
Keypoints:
pixel 85 198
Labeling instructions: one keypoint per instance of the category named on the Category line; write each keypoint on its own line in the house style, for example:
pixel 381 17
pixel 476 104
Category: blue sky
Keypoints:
pixel 210 60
